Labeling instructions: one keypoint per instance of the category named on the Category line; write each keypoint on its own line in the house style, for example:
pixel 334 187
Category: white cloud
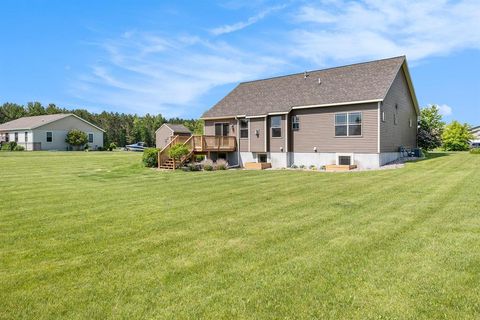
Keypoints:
pixel 147 73
pixel 347 30
pixel 445 110
pixel 243 24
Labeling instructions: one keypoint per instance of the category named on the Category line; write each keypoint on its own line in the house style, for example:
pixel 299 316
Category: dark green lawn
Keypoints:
pixel 96 236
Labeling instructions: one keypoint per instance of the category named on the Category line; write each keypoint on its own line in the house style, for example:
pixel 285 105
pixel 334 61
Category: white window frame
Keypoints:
pixel 295 121
pixel 410 122
pixel 348 124
pixel 26 136
pixel 383 116
pixel 247 122
pixel 276 127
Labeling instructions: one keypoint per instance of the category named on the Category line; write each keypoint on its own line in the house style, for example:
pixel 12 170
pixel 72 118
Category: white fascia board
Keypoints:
pixel 337 104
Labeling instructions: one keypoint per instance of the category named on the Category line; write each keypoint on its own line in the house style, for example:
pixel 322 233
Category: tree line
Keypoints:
pixel 121 128
pixel 434 133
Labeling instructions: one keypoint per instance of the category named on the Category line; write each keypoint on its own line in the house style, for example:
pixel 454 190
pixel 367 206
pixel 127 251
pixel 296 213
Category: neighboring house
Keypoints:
pixel 49 132
pixel 167 131
pixel 358 114
pixel 476 140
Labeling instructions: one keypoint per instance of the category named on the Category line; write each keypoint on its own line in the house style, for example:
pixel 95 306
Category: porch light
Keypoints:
pixel 281 149
pixel 314 149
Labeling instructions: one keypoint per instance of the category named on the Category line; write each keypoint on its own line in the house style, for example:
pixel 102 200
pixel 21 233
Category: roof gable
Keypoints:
pixel 29 123
pixel 363 82
pixel 175 128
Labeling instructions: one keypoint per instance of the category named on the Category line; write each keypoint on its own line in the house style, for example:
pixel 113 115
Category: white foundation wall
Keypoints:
pixel 387 157
pixel 285 160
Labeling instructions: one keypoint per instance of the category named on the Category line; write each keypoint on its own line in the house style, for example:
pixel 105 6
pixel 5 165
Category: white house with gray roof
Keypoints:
pixel 48 132
pixel 476 137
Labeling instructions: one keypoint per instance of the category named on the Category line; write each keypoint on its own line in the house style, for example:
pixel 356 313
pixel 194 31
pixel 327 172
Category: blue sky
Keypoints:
pixel 179 58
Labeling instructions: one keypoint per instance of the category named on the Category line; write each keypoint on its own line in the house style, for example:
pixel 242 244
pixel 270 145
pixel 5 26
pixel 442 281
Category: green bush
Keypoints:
pixel 76 138
pixel 150 157
pixel 112 146
pixel 312 167
pixel 178 151
pixel 18 148
pixel 475 151
pixel 9 146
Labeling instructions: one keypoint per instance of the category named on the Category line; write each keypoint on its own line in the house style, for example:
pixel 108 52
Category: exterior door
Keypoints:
pixel 221 129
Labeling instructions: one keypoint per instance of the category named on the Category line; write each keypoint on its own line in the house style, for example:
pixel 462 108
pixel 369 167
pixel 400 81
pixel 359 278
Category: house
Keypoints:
pixel 476 140
pixel 48 132
pixel 167 131
pixel 360 114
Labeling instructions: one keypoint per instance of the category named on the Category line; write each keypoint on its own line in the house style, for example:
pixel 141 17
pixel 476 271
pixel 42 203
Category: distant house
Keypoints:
pixel 48 132
pixel 476 133
pixel 362 114
pixel 167 131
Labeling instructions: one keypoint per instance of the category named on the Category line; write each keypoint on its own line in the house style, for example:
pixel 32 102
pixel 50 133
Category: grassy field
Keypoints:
pixel 95 236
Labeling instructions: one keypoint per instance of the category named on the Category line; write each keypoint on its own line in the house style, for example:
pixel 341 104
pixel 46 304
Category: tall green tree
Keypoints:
pixel 430 128
pixel 457 137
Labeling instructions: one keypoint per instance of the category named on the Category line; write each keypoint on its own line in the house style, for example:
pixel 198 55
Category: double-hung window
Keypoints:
pixel 26 136
pixel 221 129
pixel 244 128
pixel 90 138
pixel 295 123
pixel 348 124
pixel 16 136
pixel 276 126
pixel 49 136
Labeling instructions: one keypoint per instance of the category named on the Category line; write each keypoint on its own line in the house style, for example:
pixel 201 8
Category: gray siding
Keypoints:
pixel 395 135
pixel 163 137
pixel 274 144
pixel 257 142
pixel 317 129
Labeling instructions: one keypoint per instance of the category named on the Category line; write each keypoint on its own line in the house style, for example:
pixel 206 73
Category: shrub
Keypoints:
pixel 9 146
pixel 178 151
pixel 207 165
pixel 18 148
pixel 313 167
pixel 100 149
pixel 302 166
pixel 112 146
pixel 456 137
pixel 150 157
pixel 323 168
pixel 222 164
pixel 294 166
pixel 475 151
pixel 76 138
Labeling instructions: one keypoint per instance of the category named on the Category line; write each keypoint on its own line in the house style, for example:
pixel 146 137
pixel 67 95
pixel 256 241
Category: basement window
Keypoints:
pixel 262 158
pixel 344 160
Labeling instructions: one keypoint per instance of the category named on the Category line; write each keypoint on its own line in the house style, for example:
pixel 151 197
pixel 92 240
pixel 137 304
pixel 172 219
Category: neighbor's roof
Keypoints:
pixel 362 82
pixel 38 121
pixel 179 128
pixel 475 129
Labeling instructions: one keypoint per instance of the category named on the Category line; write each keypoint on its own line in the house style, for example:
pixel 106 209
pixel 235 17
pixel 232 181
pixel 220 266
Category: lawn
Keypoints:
pixel 96 236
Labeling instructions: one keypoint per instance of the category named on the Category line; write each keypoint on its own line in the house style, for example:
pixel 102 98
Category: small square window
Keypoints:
pixel 262 158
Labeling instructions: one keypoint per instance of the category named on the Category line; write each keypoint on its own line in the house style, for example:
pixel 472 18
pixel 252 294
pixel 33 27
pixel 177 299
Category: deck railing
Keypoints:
pixel 198 144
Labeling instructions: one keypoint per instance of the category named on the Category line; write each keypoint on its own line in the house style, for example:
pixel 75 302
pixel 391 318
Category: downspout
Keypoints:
pixel 238 142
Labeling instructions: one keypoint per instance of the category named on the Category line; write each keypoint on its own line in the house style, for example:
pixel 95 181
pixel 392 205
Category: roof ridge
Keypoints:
pixel 325 69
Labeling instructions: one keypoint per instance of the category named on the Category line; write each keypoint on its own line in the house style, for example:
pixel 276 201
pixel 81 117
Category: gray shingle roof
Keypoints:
pixel 32 122
pixel 358 82
pixel 179 128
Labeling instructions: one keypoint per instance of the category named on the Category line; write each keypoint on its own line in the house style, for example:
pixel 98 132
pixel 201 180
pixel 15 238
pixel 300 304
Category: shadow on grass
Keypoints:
pixel 433 155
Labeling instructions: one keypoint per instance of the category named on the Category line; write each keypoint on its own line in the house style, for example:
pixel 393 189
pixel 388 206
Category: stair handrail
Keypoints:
pixel 164 150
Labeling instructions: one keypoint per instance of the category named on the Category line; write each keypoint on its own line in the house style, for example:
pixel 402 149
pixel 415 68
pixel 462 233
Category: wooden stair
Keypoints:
pixel 168 164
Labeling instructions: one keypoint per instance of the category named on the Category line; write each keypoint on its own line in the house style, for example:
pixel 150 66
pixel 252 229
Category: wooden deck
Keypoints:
pixel 337 168
pixel 196 144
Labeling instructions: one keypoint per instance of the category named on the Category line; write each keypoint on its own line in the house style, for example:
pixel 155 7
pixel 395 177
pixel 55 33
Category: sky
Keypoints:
pixel 179 58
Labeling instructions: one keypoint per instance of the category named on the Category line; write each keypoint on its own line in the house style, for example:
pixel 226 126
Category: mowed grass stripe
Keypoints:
pixel 237 244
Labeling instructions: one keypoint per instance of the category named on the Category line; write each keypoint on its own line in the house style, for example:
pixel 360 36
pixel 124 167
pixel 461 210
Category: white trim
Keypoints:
pixel 277 113
pixel 336 104
pixel 348 124
pixel 249 135
pixel 378 127
pixel 214 129
pixel 253 117
pixel 265 134
pixel 271 128
pixel 218 118
pixel 286 133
